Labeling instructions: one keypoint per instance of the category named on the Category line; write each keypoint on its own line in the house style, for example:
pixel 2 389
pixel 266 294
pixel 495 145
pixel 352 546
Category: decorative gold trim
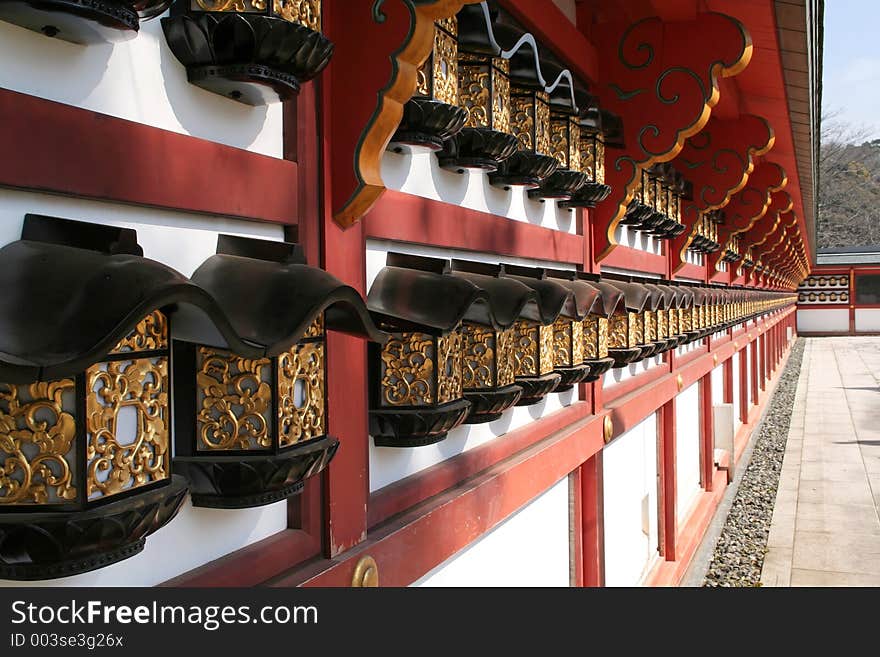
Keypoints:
pixel 607 429
pixel 150 334
pixel 120 462
pixel 235 397
pixel 301 394
pixel 37 433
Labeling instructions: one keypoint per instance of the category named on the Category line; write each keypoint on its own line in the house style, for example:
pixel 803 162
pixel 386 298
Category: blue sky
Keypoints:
pixel 851 78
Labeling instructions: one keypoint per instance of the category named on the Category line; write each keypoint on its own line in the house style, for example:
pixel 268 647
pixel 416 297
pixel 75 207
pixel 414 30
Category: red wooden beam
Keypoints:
pixel 593 522
pixel 624 257
pixel 707 432
pixel 56 148
pixel 668 475
pixel 408 218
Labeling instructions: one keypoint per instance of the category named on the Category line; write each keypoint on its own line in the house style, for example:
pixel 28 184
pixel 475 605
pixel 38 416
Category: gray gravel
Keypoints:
pixel 739 552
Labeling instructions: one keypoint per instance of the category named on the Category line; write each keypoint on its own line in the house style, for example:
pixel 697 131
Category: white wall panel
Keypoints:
pixel 736 360
pixel 718 385
pixel 139 80
pixel 530 548
pixel 828 320
pixel 630 495
pixel 419 173
pixel 620 374
pixel 868 320
pixel 687 449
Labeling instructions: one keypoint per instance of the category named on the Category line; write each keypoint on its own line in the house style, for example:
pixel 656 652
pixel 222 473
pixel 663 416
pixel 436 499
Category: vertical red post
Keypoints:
pixel 707 431
pixel 668 524
pixel 764 361
pixel 753 348
pixel 346 491
pixel 592 522
pixel 744 385
pixel 727 380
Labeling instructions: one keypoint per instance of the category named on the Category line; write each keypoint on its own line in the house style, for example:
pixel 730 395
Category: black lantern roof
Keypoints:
pixel 554 298
pixel 509 299
pixel 72 291
pixel 268 297
pixel 475 30
pixel 586 296
pixel 635 295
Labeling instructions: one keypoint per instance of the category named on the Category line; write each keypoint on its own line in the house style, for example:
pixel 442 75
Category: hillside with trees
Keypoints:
pixel 849 188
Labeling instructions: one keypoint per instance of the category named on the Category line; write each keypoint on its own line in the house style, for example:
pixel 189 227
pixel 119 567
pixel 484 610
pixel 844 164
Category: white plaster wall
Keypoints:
pixel 620 374
pixel 718 385
pixel 419 173
pixel 182 241
pixel 139 80
pixel 630 496
pixel 687 449
pixel 390 464
pixel 530 548
pixel 868 320
pixel 689 347
pixel 830 320
pixel 694 258
pixel 638 239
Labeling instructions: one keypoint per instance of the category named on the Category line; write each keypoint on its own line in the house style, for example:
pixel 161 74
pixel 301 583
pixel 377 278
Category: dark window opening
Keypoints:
pixel 868 289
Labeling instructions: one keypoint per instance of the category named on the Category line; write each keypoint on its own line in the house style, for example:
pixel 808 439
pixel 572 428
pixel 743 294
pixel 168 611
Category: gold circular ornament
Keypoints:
pixel 607 429
pixel 366 573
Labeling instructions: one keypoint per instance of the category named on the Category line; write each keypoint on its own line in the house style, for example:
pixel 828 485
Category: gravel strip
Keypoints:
pixel 739 552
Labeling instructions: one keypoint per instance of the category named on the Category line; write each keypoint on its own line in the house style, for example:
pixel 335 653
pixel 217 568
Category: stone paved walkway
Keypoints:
pixel 826 527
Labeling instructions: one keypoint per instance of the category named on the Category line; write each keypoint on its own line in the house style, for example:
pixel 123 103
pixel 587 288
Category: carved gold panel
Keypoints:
pixel 122 455
pixel 438 76
pixel 592 154
pixel 650 320
pixel 506 362
pixel 577 343
pixel 530 120
pixel 565 142
pixel 304 12
pixel 618 332
pixel 449 376
pixel 301 394
pixel 684 319
pixel 478 356
pixel 37 432
pixel 662 324
pixel 590 332
pixel 484 90
pixel 235 401
pixel 636 334
pixel 603 337
pixel 546 355
pixel 407 377
pixel 562 343
pixel 316 329
pixel 150 334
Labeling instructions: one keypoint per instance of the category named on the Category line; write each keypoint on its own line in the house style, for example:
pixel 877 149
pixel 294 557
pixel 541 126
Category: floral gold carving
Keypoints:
pixel 301 394
pixel 150 334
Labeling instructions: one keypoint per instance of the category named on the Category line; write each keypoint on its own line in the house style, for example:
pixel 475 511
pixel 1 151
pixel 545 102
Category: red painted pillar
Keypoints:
pixel 727 380
pixel 764 360
pixel 592 523
pixel 668 524
pixel 744 385
pixel 753 348
pixel 707 431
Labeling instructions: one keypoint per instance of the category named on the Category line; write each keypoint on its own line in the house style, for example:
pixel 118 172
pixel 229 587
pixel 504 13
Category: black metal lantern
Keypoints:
pixel 416 378
pixel 529 121
pixel 626 331
pixel 641 207
pixel 85 454
pixel 545 354
pixel 433 114
pixel 484 92
pixel 565 138
pixel 249 374
pixel 489 349
pixel 253 51
pixel 77 21
pixel 595 326
pixel 592 162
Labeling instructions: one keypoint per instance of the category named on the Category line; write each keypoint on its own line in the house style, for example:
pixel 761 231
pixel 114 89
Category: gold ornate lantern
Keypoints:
pixel 626 332
pixel 433 114
pixel 592 161
pixel 417 377
pixel 250 389
pixel 85 457
pixel 565 145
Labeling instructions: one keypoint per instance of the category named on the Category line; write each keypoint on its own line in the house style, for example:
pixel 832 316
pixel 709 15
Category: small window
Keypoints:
pixel 868 289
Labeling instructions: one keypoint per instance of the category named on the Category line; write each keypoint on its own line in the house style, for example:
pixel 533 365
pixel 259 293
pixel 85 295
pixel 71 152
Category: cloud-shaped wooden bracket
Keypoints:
pixel 718 162
pixel 661 78
pixel 380 46
pixel 747 206
pixel 786 225
pixel 758 235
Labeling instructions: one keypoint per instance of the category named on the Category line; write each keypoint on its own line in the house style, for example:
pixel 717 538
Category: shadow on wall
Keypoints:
pixel 202 113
